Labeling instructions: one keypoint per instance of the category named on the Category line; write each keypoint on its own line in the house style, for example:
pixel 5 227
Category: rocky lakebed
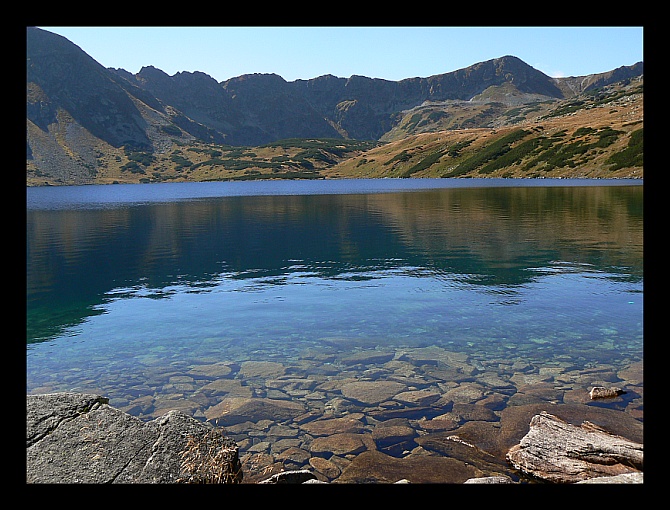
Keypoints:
pixel 422 415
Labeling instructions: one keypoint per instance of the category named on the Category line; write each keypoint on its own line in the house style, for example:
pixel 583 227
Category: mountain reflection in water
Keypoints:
pixel 483 237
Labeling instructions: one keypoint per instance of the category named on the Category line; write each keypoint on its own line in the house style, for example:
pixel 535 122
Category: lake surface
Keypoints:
pixel 132 287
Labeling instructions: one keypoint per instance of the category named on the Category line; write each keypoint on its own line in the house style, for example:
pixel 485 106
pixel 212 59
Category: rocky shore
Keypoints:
pixel 375 414
pixel 80 438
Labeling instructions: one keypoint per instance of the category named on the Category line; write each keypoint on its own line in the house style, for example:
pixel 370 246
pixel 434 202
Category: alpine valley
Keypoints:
pixel 87 124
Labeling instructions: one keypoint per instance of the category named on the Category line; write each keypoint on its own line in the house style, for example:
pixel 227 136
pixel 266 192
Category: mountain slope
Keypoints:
pixel 62 77
pixel 593 136
pixel 88 124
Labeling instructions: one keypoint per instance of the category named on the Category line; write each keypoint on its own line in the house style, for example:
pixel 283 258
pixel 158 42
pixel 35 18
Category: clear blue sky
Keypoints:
pixel 391 53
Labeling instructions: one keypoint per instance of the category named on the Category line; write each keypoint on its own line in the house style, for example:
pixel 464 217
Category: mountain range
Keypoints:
pixel 87 124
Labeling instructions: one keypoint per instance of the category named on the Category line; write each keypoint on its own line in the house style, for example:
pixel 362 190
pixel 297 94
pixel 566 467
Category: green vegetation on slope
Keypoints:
pixel 577 151
pixel 494 150
pixel 631 156
pixel 426 162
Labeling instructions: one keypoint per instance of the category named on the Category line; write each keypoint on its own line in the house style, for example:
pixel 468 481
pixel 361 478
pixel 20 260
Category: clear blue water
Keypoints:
pixel 128 283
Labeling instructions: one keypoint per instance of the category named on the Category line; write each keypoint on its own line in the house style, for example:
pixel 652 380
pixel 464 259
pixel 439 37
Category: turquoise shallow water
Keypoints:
pixel 130 287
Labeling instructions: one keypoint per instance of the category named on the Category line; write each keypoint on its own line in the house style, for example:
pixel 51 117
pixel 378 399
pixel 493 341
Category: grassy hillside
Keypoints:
pixel 180 162
pixel 597 136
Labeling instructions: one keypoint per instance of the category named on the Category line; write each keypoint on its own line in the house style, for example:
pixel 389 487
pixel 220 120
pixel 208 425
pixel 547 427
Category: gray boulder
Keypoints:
pixel 80 438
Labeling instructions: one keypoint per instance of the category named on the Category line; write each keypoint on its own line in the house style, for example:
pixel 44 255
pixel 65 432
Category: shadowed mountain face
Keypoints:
pixel 61 76
pixel 65 86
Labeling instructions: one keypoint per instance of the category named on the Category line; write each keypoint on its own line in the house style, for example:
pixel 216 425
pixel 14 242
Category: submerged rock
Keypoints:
pixel 372 392
pixel 377 467
pixel 602 392
pixel 343 443
pixel 329 426
pixel 235 410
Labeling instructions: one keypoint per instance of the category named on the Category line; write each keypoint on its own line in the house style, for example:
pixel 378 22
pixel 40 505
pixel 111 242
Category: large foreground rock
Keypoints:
pixel 556 451
pixel 79 438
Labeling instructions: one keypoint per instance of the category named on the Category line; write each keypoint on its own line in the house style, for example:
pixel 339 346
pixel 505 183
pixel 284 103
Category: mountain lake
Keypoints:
pixel 139 292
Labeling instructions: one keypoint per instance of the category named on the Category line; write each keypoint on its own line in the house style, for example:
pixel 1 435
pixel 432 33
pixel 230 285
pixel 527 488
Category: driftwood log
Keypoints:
pixel 556 451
